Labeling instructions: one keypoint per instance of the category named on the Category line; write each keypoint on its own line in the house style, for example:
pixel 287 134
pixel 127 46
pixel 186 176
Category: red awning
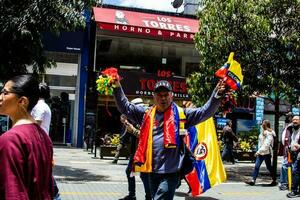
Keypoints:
pixel 152 25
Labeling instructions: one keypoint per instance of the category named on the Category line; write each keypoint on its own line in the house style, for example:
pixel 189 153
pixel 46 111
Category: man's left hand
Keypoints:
pixel 221 87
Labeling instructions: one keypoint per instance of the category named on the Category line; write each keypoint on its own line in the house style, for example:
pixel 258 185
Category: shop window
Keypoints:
pixel 145 53
pixel 104 45
pixel 59 80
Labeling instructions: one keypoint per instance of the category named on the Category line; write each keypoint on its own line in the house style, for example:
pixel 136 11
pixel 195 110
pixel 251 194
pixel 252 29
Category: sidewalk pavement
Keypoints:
pixel 80 176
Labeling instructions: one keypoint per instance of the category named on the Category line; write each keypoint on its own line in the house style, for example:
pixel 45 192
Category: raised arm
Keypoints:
pixel 133 112
pixel 196 115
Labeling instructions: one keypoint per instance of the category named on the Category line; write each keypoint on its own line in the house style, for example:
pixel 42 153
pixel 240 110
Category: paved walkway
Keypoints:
pixel 81 176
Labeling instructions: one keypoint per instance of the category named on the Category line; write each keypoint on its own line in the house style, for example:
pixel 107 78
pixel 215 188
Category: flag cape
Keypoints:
pixel 209 170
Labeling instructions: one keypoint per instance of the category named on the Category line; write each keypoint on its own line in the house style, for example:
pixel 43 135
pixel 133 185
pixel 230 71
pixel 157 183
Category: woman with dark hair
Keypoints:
pixel 25 150
pixel 264 152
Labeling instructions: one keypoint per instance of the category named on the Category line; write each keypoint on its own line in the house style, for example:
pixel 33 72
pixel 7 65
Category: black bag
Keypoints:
pixel 188 161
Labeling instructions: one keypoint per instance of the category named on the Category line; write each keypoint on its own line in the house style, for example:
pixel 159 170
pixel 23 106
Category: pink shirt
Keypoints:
pixel 26 154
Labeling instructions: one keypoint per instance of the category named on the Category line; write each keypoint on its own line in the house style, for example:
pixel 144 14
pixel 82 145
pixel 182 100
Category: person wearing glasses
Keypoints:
pixel 26 150
pixel 41 113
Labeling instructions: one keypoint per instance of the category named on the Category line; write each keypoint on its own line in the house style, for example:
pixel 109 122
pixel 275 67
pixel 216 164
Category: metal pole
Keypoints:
pixel 64 125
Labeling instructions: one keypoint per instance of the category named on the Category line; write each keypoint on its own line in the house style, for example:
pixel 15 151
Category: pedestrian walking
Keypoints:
pixel 158 151
pixel 26 150
pixel 41 113
pixel 264 152
pixel 228 138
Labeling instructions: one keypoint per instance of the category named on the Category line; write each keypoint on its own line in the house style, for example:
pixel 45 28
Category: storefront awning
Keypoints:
pixel 152 25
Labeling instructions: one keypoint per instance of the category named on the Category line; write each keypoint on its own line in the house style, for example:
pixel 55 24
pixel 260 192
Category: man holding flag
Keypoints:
pixel 159 152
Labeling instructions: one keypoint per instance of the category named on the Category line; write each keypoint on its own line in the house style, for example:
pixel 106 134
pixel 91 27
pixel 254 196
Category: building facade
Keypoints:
pixel 145 46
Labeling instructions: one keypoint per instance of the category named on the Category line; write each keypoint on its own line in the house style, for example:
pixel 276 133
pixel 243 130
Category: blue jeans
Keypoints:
pixel 163 186
pixel 227 153
pixel 296 176
pixel 283 172
pixel 258 162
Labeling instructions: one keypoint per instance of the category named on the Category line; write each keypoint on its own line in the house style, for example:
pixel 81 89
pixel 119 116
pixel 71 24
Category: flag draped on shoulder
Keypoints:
pixel 209 170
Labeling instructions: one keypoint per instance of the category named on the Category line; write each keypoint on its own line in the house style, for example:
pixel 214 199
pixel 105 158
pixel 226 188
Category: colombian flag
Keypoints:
pixel 209 170
pixel 231 73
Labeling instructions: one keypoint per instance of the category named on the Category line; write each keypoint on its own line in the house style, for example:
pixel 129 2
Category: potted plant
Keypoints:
pixel 109 146
pixel 247 144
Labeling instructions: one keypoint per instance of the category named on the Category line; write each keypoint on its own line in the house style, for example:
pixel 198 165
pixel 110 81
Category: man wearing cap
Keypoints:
pixel 158 152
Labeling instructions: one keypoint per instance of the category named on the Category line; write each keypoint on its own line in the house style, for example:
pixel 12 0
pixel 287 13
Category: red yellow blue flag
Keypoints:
pixel 209 170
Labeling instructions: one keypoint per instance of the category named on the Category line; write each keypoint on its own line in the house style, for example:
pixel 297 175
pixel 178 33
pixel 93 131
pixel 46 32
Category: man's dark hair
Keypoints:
pixel 64 97
pixel 44 91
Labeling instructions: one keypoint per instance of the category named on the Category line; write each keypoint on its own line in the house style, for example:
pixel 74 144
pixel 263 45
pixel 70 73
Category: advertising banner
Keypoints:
pixel 152 25
pixel 259 110
pixel 142 84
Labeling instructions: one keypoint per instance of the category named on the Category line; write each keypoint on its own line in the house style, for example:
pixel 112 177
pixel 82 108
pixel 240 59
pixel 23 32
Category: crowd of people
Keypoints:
pixel 290 142
pixel 26 151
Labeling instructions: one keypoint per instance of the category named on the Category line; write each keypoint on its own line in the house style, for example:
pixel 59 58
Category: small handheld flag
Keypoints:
pixel 231 73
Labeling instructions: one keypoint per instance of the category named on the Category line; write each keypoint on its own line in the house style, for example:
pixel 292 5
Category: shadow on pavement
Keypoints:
pixel 188 197
pixel 241 172
pixel 67 173
pixel 200 198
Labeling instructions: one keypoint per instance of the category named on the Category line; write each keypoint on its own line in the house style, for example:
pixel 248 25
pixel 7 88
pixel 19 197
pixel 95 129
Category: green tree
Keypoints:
pixel 22 24
pixel 264 34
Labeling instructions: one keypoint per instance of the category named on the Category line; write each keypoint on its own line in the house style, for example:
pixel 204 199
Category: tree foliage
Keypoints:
pixel 264 34
pixel 22 24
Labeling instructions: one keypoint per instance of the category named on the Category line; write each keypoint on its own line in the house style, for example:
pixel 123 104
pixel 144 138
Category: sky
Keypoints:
pixel 161 5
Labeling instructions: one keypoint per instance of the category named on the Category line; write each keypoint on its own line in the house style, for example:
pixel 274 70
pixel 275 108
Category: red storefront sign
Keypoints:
pixel 144 84
pixel 167 27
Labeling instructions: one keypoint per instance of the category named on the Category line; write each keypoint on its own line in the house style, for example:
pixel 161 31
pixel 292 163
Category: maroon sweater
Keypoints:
pixel 26 154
